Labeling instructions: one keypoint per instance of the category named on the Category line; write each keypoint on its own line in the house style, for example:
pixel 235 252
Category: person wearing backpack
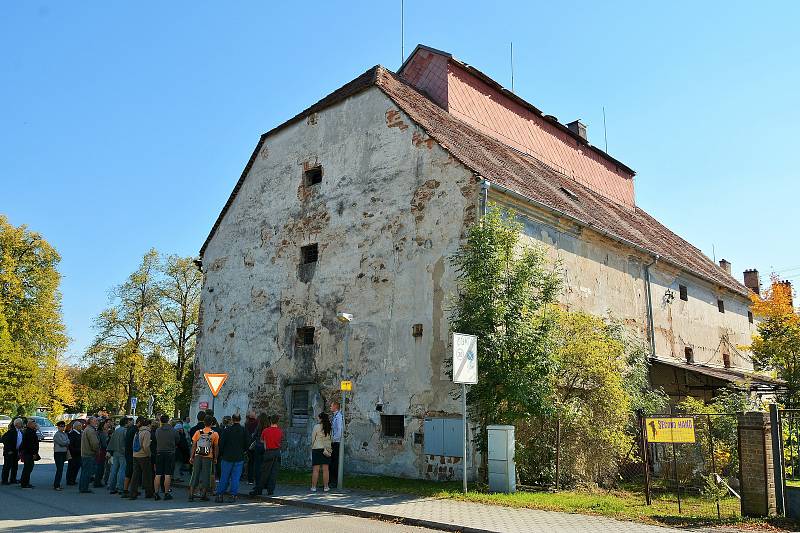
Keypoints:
pixel 142 463
pixel 205 448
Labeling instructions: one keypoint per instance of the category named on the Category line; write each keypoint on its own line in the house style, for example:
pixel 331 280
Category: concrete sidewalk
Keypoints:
pixel 451 515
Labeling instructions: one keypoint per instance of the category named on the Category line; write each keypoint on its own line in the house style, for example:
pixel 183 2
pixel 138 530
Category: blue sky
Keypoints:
pixel 125 125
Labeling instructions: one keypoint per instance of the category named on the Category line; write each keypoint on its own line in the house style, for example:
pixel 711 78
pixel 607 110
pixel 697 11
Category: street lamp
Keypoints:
pixel 345 319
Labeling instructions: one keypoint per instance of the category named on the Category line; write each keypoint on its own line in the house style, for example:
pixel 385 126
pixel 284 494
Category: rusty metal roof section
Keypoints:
pixel 521 173
pixel 724 374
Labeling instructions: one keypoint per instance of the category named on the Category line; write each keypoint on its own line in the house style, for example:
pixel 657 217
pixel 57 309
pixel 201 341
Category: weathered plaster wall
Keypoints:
pixel 606 278
pixel 390 211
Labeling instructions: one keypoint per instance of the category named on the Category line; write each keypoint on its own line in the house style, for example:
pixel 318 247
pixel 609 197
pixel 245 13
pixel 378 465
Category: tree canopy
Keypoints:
pixel 776 344
pixel 32 333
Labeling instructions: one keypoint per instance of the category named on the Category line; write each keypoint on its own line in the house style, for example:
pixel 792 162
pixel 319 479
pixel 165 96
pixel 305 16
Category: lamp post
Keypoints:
pixel 345 319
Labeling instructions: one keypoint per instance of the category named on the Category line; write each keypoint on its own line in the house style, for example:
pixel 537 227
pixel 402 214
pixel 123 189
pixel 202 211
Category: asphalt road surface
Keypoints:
pixel 43 509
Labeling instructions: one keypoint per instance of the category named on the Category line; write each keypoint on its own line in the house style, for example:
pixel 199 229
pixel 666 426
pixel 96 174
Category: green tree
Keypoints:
pixel 599 379
pixel 776 345
pixel 178 312
pixel 504 288
pixel 126 334
pixel 32 332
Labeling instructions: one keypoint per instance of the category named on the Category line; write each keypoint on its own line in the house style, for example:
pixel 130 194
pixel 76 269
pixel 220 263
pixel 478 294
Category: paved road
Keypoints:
pixel 43 509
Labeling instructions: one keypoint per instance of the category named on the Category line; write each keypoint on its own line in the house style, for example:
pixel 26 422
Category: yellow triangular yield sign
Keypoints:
pixel 215 382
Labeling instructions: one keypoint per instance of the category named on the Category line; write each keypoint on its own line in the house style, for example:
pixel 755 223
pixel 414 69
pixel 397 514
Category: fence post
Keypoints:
pixel 777 458
pixel 713 461
pixel 645 463
pixel 558 452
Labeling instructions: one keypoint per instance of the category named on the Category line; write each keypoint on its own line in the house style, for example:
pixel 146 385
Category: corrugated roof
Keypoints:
pixel 527 176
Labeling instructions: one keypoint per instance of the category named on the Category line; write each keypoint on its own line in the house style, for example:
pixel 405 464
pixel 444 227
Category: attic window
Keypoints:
pixel 305 336
pixel 313 176
pixel 570 193
pixel 750 316
pixel 721 306
pixel 309 254
pixel 684 292
pixel 689 354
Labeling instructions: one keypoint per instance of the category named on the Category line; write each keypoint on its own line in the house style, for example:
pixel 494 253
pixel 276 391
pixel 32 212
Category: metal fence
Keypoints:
pixel 699 478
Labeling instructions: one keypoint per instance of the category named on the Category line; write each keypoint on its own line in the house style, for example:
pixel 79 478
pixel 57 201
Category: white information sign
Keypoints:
pixel 465 358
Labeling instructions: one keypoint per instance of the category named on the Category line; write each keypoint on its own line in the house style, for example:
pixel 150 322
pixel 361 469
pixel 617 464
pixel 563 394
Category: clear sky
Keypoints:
pixel 124 125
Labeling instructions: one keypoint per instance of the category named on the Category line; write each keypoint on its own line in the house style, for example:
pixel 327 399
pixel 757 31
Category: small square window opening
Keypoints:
pixel 393 426
pixel 300 409
pixel 684 292
pixel 309 254
pixel 313 176
pixel 689 354
pixel 721 306
pixel 305 336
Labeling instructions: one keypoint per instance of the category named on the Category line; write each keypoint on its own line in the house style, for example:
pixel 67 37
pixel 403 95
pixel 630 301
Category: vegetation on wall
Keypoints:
pixel 541 366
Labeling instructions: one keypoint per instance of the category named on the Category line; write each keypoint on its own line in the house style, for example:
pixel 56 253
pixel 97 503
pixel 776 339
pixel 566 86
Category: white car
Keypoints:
pixel 46 428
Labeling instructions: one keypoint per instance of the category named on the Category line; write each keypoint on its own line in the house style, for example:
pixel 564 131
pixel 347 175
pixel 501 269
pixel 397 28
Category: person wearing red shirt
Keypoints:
pixel 271 437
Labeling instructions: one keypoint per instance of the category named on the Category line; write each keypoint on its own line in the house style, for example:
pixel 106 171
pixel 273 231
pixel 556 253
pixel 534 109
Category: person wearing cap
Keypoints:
pixel 60 445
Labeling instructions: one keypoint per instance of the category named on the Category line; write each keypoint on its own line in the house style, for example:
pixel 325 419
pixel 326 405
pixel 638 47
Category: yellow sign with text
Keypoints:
pixel 346 385
pixel 670 429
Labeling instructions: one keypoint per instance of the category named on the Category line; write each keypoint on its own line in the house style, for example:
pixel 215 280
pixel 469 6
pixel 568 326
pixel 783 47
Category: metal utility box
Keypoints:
pixel 444 436
pixel 434 436
pixel 502 468
pixel 453 437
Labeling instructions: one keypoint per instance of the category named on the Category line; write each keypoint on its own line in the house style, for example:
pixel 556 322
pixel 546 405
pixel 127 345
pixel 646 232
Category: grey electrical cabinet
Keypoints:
pixel 453 437
pixel 502 468
pixel 434 436
pixel 444 436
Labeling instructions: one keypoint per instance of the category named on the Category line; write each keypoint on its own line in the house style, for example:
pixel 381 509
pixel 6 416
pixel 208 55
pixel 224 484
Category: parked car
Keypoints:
pixel 5 421
pixel 46 428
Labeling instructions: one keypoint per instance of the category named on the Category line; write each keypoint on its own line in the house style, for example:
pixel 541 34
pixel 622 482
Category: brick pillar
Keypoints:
pixel 755 460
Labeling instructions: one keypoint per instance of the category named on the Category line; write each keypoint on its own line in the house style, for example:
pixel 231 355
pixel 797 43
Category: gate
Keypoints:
pixel 692 461
pixel 786 457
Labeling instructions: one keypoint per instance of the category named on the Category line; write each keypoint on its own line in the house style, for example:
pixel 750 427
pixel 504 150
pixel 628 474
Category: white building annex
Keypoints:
pixel 357 204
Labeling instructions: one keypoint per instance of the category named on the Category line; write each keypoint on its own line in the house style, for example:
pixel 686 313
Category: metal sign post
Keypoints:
pixel 134 400
pixel 465 371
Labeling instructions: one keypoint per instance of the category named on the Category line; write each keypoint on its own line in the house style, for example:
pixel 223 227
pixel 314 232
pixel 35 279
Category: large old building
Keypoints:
pixel 357 205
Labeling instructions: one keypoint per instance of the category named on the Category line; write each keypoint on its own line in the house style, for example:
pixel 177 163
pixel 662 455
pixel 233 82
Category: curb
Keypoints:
pixel 372 515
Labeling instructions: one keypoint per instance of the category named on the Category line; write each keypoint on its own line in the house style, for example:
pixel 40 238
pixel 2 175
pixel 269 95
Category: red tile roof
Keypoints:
pixel 523 174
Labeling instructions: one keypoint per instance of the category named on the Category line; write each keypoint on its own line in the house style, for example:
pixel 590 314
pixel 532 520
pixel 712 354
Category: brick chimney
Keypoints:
pixel 788 284
pixel 752 281
pixel 725 265
pixel 578 128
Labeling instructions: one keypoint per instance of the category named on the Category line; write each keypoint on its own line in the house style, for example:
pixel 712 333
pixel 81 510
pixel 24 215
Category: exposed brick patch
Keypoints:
pixel 394 120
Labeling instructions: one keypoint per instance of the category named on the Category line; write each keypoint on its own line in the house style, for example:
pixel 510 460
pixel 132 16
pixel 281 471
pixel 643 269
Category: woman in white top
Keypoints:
pixel 321 451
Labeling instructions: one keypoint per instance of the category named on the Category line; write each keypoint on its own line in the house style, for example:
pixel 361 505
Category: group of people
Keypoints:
pixel 149 454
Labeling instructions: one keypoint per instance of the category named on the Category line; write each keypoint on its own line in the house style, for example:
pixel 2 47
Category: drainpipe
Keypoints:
pixel 651 331
pixel 485 184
